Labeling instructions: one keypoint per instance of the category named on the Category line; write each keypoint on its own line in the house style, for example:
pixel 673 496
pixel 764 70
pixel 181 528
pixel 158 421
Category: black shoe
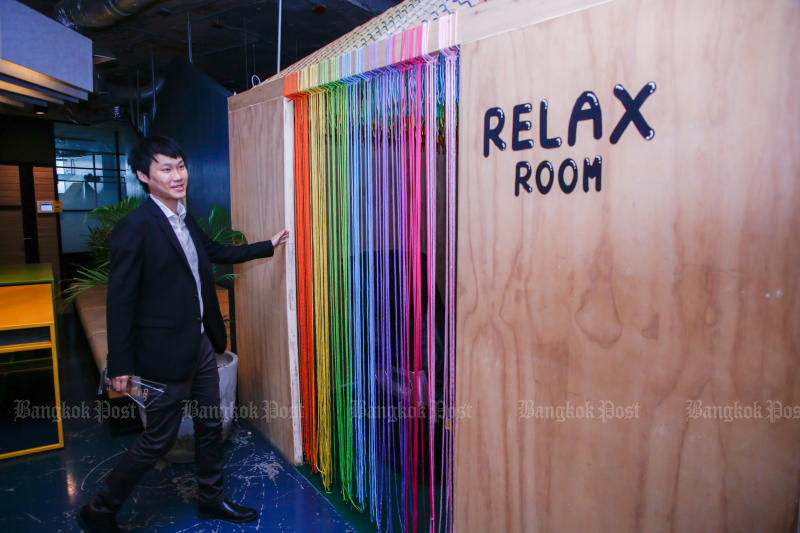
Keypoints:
pixel 93 521
pixel 228 511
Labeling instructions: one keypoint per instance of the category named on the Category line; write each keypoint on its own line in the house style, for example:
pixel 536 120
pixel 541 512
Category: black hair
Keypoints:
pixel 145 153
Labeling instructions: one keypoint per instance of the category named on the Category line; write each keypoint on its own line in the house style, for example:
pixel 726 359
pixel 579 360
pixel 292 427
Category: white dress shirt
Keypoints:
pixel 178 223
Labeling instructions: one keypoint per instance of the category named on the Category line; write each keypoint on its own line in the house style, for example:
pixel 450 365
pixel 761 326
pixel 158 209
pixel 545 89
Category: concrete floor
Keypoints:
pixel 41 492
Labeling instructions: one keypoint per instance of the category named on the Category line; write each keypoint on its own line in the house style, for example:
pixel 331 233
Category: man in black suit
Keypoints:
pixel 164 324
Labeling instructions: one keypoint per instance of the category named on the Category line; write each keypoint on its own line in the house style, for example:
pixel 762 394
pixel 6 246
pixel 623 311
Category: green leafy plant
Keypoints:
pixel 85 279
pixel 218 229
pixel 102 220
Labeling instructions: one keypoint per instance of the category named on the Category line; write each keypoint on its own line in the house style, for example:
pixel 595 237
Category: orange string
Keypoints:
pixel 304 278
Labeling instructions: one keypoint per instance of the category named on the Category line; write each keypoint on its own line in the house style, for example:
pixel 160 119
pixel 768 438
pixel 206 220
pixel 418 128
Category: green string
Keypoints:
pixel 339 264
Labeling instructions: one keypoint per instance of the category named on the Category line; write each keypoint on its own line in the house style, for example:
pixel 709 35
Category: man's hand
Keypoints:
pixel 120 384
pixel 280 238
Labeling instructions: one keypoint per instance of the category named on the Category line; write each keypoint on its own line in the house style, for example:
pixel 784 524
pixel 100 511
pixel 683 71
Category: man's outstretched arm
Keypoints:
pixel 221 254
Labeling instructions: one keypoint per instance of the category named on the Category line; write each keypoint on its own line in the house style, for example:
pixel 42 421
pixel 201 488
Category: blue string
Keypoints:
pixel 357 336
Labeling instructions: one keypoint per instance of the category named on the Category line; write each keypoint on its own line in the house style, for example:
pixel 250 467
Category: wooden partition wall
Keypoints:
pixel 266 337
pixel 628 315
pixel 261 152
pixel 11 236
pixel 671 292
pixel 44 186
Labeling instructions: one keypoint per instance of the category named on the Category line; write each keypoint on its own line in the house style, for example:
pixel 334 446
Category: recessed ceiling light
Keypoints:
pixel 39 110
pixel 99 57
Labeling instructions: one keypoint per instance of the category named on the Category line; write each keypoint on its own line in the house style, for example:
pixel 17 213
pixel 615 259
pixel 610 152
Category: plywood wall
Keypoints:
pixel 47 224
pixel 12 246
pixel 9 186
pixel 258 206
pixel 676 283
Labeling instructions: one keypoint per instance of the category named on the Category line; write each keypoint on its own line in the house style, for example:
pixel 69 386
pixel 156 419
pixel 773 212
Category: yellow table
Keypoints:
pixel 30 399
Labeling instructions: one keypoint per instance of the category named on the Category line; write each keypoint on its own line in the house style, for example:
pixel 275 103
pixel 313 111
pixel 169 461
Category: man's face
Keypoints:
pixel 168 178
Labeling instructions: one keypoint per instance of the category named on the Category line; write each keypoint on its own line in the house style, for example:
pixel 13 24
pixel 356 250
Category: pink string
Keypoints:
pixel 430 228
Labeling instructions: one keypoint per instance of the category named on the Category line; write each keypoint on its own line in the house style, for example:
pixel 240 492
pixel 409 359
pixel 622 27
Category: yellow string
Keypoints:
pixel 319 244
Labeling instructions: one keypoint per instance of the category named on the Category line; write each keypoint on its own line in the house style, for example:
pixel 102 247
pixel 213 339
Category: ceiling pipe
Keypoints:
pixel 246 63
pixel 189 34
pixel 121 93
pixel 280 27
pixel 153 78
pixel 97 13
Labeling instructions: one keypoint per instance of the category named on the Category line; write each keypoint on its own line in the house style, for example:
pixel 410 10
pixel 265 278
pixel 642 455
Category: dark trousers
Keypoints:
pixel 163 420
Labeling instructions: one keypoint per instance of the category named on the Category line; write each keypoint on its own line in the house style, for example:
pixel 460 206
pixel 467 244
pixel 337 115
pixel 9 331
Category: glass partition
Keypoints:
pixel 91 174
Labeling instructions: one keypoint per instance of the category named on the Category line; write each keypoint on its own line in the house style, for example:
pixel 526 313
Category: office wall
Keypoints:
pixel 193 109
pixel 28 146
pixel 264 301
pixel 27 140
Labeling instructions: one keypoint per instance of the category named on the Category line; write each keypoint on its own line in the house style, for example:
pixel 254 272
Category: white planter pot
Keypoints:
pixel 183 451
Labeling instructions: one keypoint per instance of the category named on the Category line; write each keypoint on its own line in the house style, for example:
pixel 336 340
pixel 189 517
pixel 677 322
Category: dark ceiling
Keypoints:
pixel 231 40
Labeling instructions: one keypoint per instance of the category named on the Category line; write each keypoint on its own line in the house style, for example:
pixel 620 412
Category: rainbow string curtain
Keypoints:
pixel 375 177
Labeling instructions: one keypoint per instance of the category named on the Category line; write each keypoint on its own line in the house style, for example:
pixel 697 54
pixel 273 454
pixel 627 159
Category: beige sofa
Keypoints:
pixel 91 306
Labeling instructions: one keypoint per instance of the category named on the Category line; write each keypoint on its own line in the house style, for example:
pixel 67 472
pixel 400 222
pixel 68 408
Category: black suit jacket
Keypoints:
pixel 152 309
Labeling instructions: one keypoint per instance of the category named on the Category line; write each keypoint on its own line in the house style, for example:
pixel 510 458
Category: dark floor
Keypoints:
pixel 41 492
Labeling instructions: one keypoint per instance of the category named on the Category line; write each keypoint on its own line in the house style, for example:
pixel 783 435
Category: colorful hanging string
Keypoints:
pixel 430 235
pixel 449 388
pixel 304 277
pixel 378 397
pixel 317 125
